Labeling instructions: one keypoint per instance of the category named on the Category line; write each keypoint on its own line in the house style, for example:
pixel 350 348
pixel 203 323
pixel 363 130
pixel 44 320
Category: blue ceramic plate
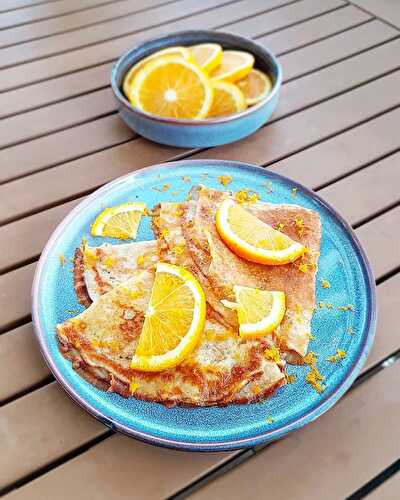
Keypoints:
pixel 342 263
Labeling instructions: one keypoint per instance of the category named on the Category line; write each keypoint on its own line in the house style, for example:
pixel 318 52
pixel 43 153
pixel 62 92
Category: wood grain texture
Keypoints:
pixel 108 30
pixel 387 333
pixel 384 258
pixel 313 29
pixel 109 50
pixel 22 365
pixel 7 5
pixel 377 188
pixel 15 300
pixel 37 427
pixel 271 21
pixel 268 144
pixel 389 490
pixel 305 128
pixel 44 11
pixel 389 10
pixel 63 87
pixel 96 104
pixel 334 48
pixel 27 237
pixel 340 155
pixel 74 21
pixel 341 450
pixel 157 472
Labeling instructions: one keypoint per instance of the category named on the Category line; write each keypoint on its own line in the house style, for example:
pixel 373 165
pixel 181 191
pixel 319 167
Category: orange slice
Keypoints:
pixel 170 51
pixel 173 87
pixel 235 64
pixel 120 222
pixel 227 99
pixel 252 239
pixel 255 86
pixel 207 55
pixel 259 311
pixel 173 322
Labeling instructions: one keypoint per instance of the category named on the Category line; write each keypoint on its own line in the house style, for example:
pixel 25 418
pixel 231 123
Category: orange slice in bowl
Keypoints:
pixel 173 87
pixel 207 55
pixel 169 51
pixel 228 99
pixel 255 86
pixel 235 64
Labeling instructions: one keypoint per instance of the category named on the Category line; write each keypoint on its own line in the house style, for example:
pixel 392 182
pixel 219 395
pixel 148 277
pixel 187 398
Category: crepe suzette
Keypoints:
pixel 223 368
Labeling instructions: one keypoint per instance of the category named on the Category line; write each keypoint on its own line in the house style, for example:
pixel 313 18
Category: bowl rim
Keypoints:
pixel 205 121
pixel 325 403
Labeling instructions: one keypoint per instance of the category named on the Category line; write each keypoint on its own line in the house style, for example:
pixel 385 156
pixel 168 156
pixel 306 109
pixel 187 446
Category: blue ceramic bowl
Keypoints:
pixel 197 133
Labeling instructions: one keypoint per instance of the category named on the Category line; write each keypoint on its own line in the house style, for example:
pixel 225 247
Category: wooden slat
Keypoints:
pixel 389 490
pixel 157 472
pixel 343 153
pixel 314 29
pixel 363 409
pixel 389 10
pixel 23 365
pixel 312 125
pixel 73 21
pixel 26 238
pixel 383 258
pixel 377 187
pixel 345 448
pixel 52 414
pixel 320 164
pixel 271 21
pixel 387 334
pixel 328 51
pixel 45 10
pixel 107 51
pixel 373 233
pixel 80 140
pixel 105 31
pixel 66 86
pixel 7 5
pixel 15 298
pixel 71 112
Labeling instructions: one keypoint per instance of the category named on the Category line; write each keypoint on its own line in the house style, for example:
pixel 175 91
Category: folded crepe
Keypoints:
pixel 114 282
pixel 191 226
pixel 101 341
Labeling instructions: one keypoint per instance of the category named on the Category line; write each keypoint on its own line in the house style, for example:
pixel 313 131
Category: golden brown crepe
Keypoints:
pixel 101 341
pixel 218 268
pixel 223 368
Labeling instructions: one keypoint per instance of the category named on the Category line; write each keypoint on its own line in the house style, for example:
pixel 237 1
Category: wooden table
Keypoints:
pixel 336 130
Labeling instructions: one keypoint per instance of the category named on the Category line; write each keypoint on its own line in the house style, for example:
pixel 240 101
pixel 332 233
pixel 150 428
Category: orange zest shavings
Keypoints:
pixel 224 179
pixel 270 419
pixel 290 378
pixel 340 354
pixel 348 307
pixel 62 259
pixel 246 196
pixel 273 354
pixel 133 386
pixel 303 267
pixel 162 189
pixel 325 284
pixel 314 377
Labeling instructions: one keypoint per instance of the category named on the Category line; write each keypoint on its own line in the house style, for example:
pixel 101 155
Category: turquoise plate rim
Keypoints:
pixel 222 445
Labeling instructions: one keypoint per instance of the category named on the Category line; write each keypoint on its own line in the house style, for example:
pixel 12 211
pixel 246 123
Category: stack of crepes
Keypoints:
pixel 114 283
